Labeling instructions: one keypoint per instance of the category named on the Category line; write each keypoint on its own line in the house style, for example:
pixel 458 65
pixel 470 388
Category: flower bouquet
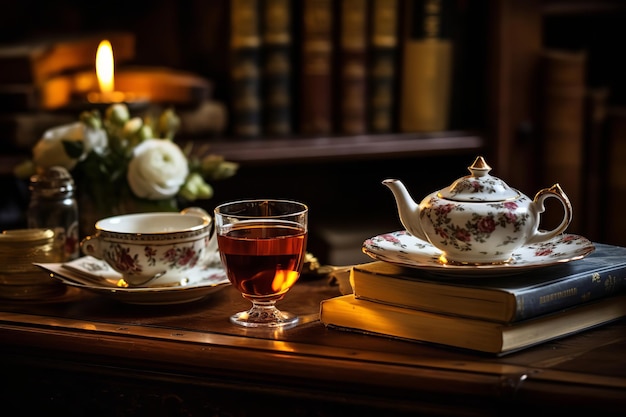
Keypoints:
pixel 123 164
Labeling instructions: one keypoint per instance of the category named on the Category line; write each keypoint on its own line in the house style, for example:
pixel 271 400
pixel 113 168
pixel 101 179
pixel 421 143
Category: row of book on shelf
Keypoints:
pixel 312 67
pixel 489 314
pixel 583 143
pixel 327 67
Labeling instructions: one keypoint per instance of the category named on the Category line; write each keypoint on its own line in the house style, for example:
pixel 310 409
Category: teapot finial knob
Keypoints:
pixel 479 168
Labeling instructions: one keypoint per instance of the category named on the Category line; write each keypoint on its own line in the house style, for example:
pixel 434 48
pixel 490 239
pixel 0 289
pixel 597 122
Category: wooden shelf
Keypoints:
pixel 268 151
pixel 578 7
pixel 337 148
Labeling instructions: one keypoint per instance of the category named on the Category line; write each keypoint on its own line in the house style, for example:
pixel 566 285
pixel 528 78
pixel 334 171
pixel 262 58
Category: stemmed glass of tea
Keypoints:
pixel 262 246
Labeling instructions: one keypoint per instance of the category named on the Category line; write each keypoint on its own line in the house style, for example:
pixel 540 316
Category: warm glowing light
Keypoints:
pixel 283 280
pixel 105 73
pixel 105 67
pixel 442 259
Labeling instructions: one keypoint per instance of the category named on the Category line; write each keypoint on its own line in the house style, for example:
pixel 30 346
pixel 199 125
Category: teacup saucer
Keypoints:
pixel 97 276
pixel 403 249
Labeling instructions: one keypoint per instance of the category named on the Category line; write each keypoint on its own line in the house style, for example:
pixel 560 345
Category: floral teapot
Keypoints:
pixel 478 219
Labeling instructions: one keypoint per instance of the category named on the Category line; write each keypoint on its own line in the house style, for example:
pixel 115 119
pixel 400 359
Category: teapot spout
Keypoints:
pixel 408 210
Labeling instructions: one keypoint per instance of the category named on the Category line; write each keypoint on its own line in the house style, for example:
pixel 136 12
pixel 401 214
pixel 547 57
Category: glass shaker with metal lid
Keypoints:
pixel 52 205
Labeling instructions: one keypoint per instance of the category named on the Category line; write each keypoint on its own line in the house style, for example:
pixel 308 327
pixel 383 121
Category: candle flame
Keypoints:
pixel 104 67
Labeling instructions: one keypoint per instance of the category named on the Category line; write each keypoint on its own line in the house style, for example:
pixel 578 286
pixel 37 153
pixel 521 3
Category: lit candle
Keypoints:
pixel 105 72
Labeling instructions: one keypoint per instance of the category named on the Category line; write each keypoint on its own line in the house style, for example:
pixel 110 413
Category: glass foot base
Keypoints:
pixel 264 317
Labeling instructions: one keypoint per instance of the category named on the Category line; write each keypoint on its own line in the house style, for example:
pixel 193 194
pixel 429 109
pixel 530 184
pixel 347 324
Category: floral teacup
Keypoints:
pixel 152 249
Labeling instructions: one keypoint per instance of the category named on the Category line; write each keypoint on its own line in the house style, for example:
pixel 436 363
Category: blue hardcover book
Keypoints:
pixel 503 299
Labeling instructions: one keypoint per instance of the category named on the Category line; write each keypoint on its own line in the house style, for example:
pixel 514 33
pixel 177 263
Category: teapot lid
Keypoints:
pixel 479 186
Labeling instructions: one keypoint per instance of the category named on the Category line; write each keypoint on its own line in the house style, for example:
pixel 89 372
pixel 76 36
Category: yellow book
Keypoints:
pixel 425 86
pixel 348 313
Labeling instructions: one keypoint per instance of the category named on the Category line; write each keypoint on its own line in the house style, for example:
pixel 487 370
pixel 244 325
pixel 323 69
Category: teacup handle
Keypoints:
pixel 199 211
pixel 90 245
pixel 537 206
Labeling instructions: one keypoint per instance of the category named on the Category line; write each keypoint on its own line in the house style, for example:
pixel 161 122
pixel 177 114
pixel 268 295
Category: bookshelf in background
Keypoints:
pixel 595 161
pixel 245 68
pixel 316 67
pixel 615 197
pixel 427 51
pixel 356 67
pixel 351 74
pixel 562 93
pixel 277 67
pixel 383 67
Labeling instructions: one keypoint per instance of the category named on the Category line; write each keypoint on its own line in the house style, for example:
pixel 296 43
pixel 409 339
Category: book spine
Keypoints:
pixel 595 159
pixel 563 97
pixel 316 83
pixel 383 54
pixel 352 71
pixel 614 200
pixel 245 68
pixel 426 66
pixel 277 67
pixel 570 292
pixel 528 294
pixel 350 314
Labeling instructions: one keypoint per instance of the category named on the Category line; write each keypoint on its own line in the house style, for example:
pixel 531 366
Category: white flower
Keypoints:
pixel 157 170
pixel 51 151
pixel 95 140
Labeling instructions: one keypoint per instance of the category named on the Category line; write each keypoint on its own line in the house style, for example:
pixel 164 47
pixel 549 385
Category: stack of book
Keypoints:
pixel 492 314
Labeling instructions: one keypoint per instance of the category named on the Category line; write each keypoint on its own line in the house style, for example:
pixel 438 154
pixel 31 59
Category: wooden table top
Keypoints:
pixel 196 340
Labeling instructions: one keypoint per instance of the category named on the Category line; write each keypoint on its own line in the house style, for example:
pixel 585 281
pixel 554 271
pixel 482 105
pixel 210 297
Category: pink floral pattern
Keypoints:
pixel 486 185
pixel 478 227
pixel 120 257
pixel 181 257
pixel 150 253
pixel 177 257
pixel 409 251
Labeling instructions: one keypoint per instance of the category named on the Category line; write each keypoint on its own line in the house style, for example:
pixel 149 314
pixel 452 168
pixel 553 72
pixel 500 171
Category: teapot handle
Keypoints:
pixel 538 207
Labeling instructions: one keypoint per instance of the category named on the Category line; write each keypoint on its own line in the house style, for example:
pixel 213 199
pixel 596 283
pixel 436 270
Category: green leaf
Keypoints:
pixel 74 149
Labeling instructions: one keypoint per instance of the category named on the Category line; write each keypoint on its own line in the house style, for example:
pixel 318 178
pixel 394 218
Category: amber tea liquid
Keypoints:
pixel 263 259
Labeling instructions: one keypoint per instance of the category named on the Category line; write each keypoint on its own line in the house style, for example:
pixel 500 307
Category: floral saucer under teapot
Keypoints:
pixel 478 219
